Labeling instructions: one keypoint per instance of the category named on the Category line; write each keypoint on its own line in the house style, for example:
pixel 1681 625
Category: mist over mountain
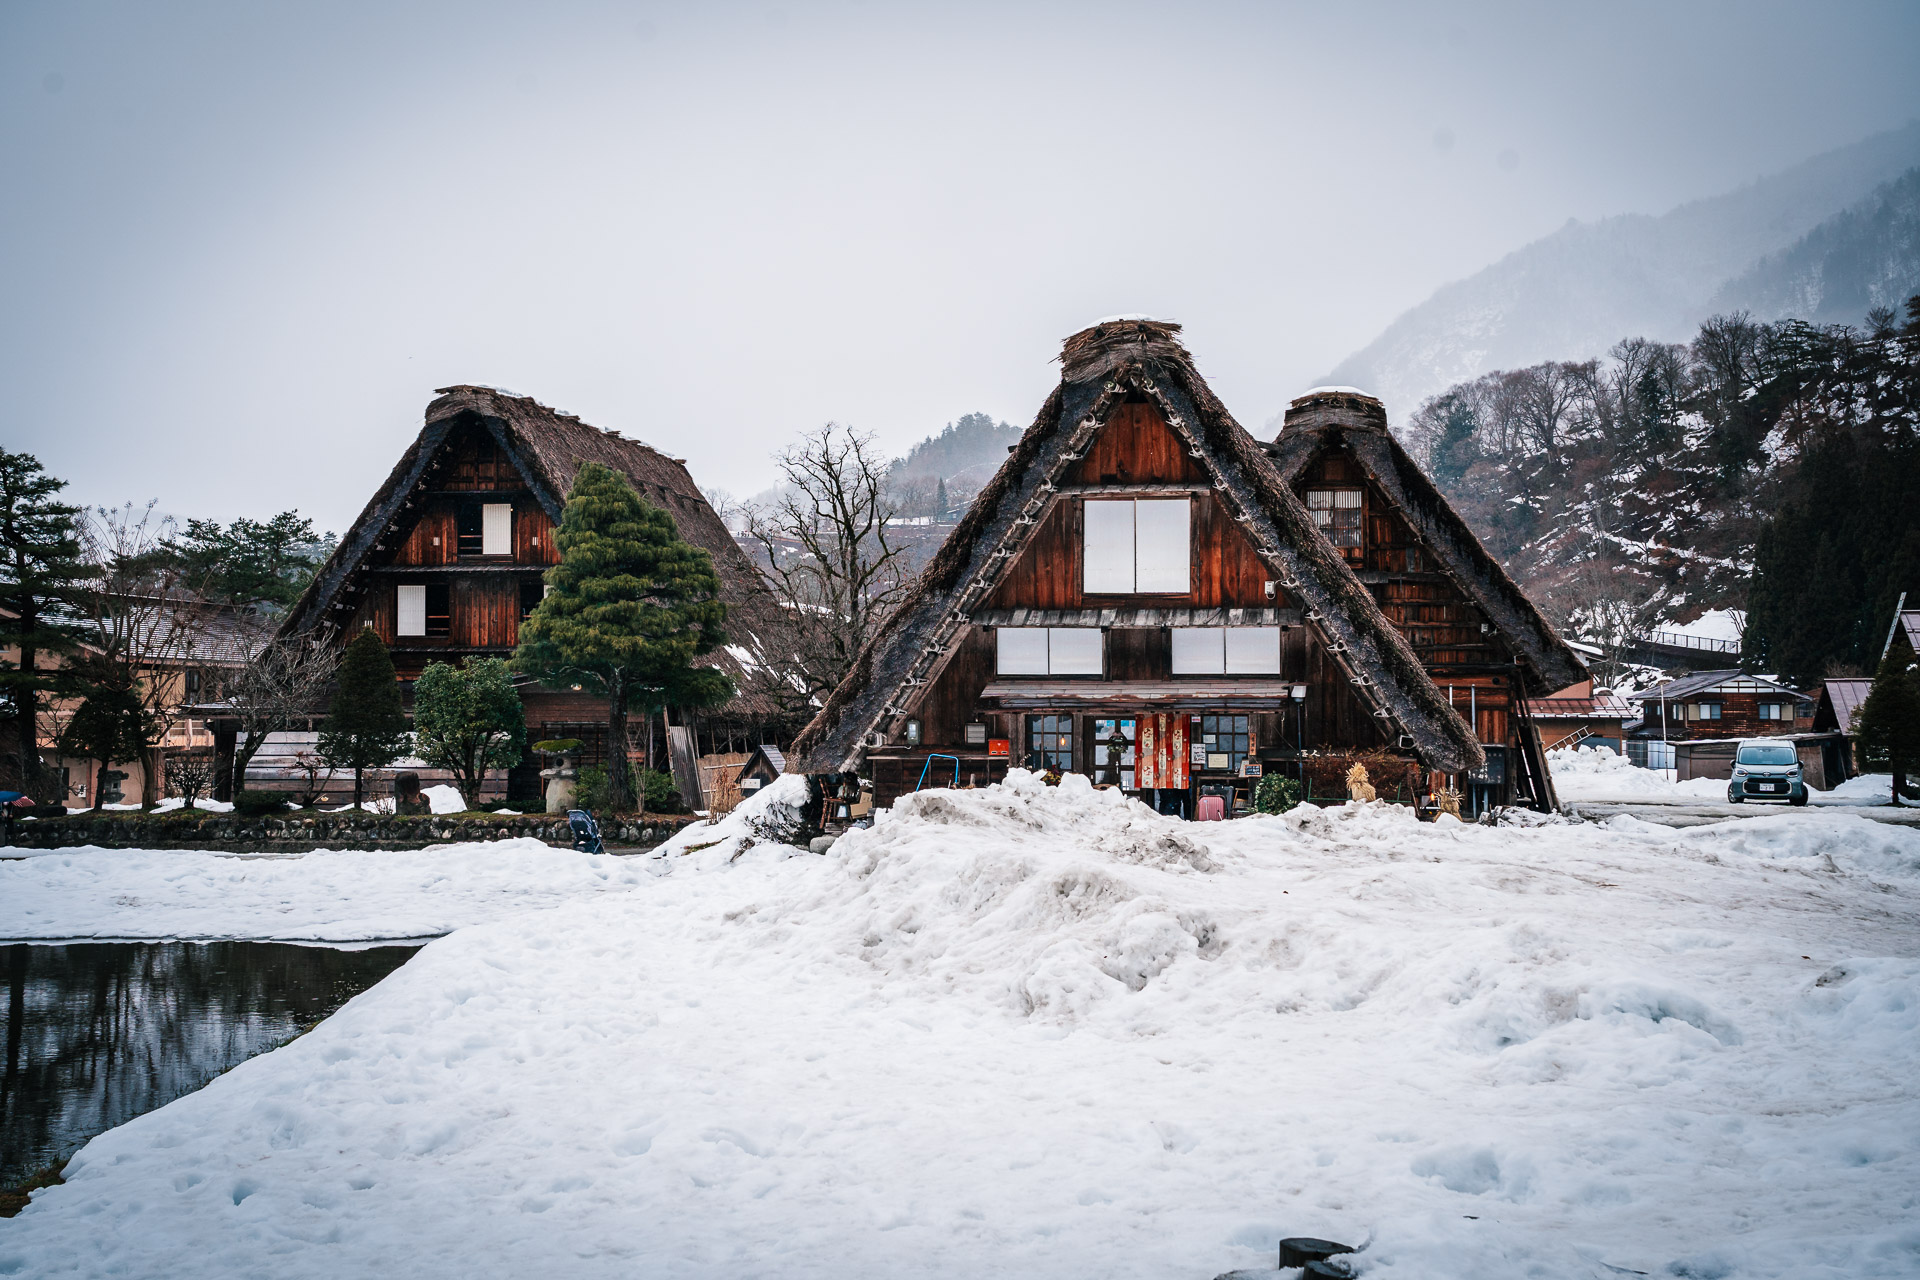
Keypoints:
pixel 1864 257
pixel 1573 294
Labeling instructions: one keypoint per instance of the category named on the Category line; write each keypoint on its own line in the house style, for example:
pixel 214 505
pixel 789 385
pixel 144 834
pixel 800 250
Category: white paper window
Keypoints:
pixel 1199 651
pixel 412 613
pixel 1056 651
pixel 1075 651
pixel 1232 651
pixel 1161 528
pixel 1023 651
pixel 1109 554
pixel 496 529
pixel 1253 651
pixel 1140 546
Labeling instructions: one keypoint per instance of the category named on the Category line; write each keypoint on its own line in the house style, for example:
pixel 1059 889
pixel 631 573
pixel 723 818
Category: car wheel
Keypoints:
pixel 1733 799
pixel 1799 800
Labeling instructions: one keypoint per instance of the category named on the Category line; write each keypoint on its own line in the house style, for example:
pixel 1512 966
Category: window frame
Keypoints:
pixel 1102 538
pixel 1190 643
pixel 1343 534
pixel 1065 666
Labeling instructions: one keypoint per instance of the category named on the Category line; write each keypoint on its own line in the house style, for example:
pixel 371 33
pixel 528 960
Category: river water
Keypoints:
pixel 100 1032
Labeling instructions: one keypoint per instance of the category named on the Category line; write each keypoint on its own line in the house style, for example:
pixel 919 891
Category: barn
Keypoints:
pixel 1140 595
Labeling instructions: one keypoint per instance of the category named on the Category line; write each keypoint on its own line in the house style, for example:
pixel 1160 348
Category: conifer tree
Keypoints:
pixel 366 725
pixel 43 574
pixel 468 720
pixel 110 726
pixel 1889 722
pixel 632 605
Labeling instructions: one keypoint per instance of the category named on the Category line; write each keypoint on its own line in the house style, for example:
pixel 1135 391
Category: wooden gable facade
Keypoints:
pixel 1477 635
pixel 1137 597
pixel 447 559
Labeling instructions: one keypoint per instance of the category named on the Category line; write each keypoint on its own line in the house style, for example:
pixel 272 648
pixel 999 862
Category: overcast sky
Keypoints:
pixel 243 244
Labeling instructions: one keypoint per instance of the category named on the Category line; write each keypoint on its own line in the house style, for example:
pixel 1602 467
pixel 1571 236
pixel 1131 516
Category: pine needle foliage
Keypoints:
pixel 44 578
pixel 110 726
pixel 1888 729
pixel 631 606
pixel 366 724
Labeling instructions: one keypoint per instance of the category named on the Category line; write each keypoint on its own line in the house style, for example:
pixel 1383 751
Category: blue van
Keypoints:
pixel 1766 769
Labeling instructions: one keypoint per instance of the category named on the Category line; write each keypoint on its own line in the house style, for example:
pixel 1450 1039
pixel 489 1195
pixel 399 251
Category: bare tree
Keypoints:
pixel 831 557
pixel 189 777
pixel 146 620
pixel 285 682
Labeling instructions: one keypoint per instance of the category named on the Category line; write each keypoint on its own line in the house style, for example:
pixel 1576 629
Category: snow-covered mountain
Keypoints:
pixel 1863 257
pixel 1573 294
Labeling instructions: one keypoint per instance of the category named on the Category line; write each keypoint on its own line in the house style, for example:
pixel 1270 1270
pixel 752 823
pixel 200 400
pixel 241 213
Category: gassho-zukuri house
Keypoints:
pixel 446 561
pixel 1147 595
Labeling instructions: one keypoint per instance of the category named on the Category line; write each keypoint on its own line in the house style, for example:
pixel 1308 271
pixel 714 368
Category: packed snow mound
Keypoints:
pixel 770 816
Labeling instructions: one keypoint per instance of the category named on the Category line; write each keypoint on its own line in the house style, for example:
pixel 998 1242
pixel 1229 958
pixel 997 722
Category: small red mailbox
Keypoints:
pixel 999 746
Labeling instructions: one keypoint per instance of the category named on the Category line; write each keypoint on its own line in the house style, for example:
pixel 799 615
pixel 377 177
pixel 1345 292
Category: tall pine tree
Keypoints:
pixel 43 574
pixel 366 725
pixel 632 605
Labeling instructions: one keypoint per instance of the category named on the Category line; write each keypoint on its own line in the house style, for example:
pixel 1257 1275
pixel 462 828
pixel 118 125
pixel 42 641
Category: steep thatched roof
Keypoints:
pixel 1102 367
pixel 1332 417
pixel 547 448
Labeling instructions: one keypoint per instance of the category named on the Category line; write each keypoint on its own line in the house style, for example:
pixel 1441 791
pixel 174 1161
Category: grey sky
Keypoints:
pixel 242 244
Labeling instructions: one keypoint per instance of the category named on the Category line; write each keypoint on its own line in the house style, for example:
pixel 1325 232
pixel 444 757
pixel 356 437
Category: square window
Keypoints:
pixel 1199 651
pixel 1252 651
pixel 1023 651
pixel 1075 651
pixel 1141 546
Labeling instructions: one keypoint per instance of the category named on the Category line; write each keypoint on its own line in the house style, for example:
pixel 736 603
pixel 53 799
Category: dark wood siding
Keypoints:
pixel 1136 446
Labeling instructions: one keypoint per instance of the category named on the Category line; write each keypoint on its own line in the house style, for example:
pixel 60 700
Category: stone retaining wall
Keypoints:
pixel 233 833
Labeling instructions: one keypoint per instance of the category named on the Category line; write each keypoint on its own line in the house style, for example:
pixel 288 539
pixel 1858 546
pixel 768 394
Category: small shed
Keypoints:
pixel 765 764
pixel 1838 711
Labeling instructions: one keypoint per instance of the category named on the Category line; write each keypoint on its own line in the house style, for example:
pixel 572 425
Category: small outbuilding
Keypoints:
pixel 765 764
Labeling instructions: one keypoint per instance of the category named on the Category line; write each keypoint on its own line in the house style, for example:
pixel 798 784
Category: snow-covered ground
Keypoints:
pixel 323 896
pixel 1714 624
pixel 1596 773
pixel 1038 1031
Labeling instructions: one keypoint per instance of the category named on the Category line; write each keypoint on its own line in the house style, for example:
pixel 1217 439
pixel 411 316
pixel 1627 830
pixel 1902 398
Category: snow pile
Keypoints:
pixel 324 895
pixel 1598 773
pixel 1043 1031
pixel 170 804
pixel 768 817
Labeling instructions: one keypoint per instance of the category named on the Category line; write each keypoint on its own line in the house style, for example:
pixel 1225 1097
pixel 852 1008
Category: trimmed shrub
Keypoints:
pixel 1276 794
pixel 662 796
pixel 260 804
pixel 591 790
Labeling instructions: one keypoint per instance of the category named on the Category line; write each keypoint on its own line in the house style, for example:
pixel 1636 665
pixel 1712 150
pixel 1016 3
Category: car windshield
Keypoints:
pixel 1766 755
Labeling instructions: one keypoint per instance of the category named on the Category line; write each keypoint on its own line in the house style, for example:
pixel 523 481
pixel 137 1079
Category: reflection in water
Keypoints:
pixel 100 1032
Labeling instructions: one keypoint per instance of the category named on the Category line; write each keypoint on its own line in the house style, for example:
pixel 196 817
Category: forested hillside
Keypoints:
pixel 1771 466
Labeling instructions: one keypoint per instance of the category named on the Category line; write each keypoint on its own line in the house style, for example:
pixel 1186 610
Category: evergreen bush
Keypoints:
pixel 661 794
pixel 591 789
pixel 259 804
pixel 1276 794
